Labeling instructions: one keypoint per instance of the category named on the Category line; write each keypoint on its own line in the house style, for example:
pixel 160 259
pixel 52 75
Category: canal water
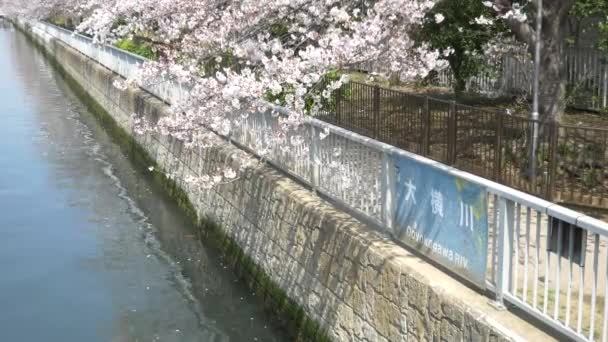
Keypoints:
pixel 90 248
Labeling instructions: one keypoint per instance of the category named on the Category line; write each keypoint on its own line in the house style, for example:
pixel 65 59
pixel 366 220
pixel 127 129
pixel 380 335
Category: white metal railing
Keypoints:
pixel 547 260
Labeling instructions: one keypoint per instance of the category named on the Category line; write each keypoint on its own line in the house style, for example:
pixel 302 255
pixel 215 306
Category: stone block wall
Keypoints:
pixel 356 283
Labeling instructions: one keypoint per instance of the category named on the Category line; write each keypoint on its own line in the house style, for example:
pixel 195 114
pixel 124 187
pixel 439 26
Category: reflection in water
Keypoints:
pixel 86 239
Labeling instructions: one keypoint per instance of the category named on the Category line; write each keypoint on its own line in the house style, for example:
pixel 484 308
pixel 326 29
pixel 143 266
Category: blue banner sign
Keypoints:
pixel 443 217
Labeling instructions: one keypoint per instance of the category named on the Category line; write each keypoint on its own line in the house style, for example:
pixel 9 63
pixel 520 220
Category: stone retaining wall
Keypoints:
pixel 355 283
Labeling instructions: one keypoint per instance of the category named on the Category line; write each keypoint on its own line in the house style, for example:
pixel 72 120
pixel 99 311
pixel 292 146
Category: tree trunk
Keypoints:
pixel 459 83
pixel 394 80
pixel 552 88
pixel 552 81
pixel 460 86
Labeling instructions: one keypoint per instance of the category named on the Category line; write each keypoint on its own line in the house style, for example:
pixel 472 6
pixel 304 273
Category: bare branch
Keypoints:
pixel 522 30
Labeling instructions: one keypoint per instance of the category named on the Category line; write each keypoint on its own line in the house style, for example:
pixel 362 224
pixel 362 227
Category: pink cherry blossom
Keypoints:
pixel 231 55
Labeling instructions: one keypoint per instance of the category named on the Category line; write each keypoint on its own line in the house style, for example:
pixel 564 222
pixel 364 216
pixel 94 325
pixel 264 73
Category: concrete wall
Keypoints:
pixel 355 283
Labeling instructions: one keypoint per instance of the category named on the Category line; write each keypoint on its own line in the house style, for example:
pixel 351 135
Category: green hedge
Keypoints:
pixel 141 49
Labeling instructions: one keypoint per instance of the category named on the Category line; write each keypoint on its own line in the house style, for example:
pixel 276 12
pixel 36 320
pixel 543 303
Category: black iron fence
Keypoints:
pixel 570 160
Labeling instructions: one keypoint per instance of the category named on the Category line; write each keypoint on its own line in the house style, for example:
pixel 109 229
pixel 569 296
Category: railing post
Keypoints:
pixel 452 128
pixel 388 190
pixel 376 109
pixel 505 243
pixel 426 128
pixel 313 155
pixel 498 146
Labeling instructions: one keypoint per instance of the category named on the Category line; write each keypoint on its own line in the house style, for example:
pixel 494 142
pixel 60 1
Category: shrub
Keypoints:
pixel 141 49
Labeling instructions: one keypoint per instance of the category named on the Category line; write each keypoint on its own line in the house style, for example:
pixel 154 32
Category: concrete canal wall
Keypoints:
pixel 333 276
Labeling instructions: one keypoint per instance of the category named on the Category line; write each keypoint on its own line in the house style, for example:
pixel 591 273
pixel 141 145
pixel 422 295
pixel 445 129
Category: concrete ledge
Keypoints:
pixel 354 282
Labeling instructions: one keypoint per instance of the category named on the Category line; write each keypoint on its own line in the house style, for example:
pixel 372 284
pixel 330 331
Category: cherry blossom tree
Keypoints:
pixel 521 20
pixel 462 31
pixel 478 26
pixel 36 8
pixel 235 55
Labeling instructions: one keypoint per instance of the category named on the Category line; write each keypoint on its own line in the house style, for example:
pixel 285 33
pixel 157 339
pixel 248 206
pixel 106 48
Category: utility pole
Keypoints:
pixel 535 116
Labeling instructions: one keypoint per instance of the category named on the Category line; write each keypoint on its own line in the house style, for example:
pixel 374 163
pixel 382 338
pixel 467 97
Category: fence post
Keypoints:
pixel 500 122
pixel 426 128
pixel 605 87
pixel 452 128
pixel 313 155
pixel 506 73
pixel 504 241
pixel 338 104
pixel 553 162
pixel 376 109
pixel 388 190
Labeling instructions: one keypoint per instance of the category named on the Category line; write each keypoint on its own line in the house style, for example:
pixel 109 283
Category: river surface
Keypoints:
pixel 90 248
